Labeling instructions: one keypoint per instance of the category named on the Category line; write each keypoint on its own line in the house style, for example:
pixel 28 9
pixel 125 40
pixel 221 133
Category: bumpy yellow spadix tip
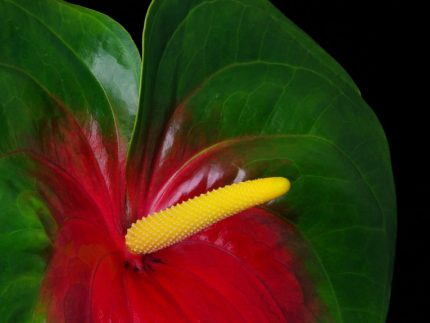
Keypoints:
pixel 164 228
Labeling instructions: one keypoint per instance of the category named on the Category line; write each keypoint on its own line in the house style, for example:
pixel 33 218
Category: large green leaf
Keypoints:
pixel 51 52
pixel 240 79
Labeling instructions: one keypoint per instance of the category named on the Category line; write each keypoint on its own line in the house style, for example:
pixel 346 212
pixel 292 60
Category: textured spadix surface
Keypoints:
pixel 230 91
pixel 174 224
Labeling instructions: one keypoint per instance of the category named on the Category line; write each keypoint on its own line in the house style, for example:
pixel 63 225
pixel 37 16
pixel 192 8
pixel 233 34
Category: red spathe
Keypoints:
pixel 242 269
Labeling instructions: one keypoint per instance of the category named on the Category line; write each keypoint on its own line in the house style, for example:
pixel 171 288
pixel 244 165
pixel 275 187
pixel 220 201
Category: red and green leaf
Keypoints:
pixel 230 90
pixel 51 52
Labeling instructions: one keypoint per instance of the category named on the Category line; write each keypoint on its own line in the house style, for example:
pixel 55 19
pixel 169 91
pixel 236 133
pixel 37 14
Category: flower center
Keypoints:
pixel 174 224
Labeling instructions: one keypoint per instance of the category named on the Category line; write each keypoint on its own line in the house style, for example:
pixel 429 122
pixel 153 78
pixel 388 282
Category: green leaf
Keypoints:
pixel 51 52
pixel 240 79
pixel 79 56
pixel 22 243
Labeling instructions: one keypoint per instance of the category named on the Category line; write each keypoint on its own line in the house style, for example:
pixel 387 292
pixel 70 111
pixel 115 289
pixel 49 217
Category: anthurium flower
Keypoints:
pixel 93 139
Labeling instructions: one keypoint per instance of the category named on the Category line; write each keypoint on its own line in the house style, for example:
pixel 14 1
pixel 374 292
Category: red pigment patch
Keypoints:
pixel 239 270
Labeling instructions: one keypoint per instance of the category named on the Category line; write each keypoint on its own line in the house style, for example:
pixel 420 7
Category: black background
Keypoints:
pixel 373 41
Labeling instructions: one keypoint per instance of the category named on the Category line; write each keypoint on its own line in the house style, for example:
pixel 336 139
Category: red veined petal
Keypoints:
pixel 213 276
pixel 244 268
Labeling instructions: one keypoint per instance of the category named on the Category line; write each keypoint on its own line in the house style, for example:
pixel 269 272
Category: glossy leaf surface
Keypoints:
pixel 231 90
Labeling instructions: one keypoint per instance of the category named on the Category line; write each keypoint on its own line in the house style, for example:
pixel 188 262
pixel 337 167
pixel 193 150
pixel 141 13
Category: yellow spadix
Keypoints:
pixel 167 227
